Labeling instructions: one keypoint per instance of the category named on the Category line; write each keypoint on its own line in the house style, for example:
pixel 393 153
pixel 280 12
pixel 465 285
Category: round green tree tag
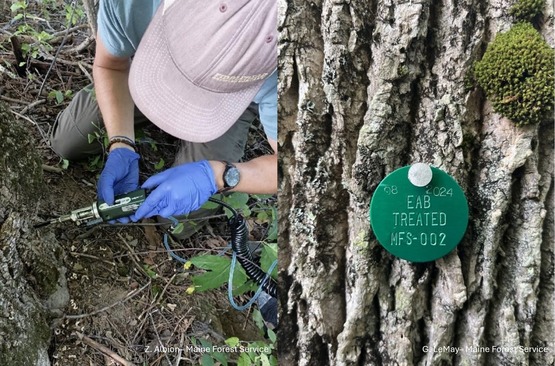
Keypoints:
pixel 419 213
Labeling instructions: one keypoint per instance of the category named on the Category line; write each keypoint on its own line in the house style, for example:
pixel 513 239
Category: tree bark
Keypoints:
pixel 32 283
pixel 369 86
pixel 91 8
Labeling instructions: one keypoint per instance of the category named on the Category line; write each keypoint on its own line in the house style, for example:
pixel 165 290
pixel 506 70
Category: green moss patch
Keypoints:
pixel 517 75
pixel 527 9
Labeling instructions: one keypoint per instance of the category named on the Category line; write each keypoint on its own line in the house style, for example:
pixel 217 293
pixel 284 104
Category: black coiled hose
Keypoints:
pixel 239 245
pixel 239 234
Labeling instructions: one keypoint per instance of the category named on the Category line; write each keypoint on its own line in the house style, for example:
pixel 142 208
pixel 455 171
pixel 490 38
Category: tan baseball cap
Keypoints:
pixel 200 64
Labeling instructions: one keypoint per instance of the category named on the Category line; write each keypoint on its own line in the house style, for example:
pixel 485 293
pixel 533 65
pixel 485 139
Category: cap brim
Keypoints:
pixel 171 101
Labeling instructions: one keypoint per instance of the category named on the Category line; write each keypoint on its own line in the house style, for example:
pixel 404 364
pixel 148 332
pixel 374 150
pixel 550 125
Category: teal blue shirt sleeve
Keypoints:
pixel 267 106
pixel 122 24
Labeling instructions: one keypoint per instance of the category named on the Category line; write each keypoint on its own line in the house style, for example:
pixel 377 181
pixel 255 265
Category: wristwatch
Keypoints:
pixel 231 176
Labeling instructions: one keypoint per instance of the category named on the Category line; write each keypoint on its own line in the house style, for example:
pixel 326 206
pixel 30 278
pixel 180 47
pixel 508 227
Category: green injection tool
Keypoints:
pixel 124 205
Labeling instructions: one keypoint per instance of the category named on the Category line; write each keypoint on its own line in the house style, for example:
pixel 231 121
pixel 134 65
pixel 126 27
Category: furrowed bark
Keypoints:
pixel 33 289
pixel 366 87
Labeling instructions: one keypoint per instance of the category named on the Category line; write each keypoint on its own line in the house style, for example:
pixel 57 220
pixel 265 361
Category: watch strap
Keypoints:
pixel 226 186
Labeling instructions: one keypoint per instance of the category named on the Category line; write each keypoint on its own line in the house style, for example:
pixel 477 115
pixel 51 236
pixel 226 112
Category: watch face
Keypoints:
pixel 231 177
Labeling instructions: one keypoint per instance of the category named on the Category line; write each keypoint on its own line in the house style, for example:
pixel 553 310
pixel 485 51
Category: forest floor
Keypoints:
pixel 126 294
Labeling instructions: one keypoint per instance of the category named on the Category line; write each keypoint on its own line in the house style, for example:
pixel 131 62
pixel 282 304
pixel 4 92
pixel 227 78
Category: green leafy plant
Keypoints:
pixel 74 13
pixel 64 164
pixel 237 200
pixel 60 96
pixel 261 209
pixel 101 136
pixel 96 163
pixel 260 206
pixel 216 274
pixel 41 38
pixel 217 271
pixel 255 353
pixel 150 271
pixel 20 8
pixel 517 75
pixel 160 164
pixel 260 353
pixel 144 136
pixel 265 211
pixel 211 357
pixel 267 258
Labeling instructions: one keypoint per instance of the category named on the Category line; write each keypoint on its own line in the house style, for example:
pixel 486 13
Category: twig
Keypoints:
pixel 164 251
pixel 130 296
pixel 105 350
pixel 148 310
pixel 180 349
pixel 182 340
pixel 133 256
pixel 8 72
pixel 87 233
pixel 58 50
pixel 24 117
pixel 166 286
pixel 158 336
pixel 56 36
pixel 90 10
pixel 207 330
pixel 49 57
pixel 84 70
pixel 12 100
pixel 33 122
pixel 141 324
pixel 92 257
pixel 52 169
pixel 32 105
pixel 80 47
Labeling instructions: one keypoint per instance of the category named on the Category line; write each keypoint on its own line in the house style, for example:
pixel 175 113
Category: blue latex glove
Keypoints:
pixel 178 190
pixel 120 175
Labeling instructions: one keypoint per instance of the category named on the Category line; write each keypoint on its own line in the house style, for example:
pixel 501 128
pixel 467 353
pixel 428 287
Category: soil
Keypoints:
pixel 126 293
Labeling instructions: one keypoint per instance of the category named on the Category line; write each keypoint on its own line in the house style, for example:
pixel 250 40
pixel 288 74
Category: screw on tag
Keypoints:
pixel 420 174
pixel 419 223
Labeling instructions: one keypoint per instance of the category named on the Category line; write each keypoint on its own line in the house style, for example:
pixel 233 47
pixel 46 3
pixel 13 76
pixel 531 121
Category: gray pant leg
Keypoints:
pixel 229 147
pixel 69 137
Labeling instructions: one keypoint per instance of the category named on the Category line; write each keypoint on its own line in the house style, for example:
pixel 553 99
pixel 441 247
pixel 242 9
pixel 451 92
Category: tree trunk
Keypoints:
pixel 32 282
pixel 367 87
pixel 91 9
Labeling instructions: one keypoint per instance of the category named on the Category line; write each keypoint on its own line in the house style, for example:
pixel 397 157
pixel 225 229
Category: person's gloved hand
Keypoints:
pixel 178 190
pixel 120 175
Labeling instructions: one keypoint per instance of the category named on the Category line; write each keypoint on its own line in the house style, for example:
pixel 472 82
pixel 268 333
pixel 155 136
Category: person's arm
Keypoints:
pixel 112 93
pixel 258 176
pixel 121 170
pixel 184 188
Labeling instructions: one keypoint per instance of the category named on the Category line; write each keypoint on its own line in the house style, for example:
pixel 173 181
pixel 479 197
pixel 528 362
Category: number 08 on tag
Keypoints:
pixel 419 213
